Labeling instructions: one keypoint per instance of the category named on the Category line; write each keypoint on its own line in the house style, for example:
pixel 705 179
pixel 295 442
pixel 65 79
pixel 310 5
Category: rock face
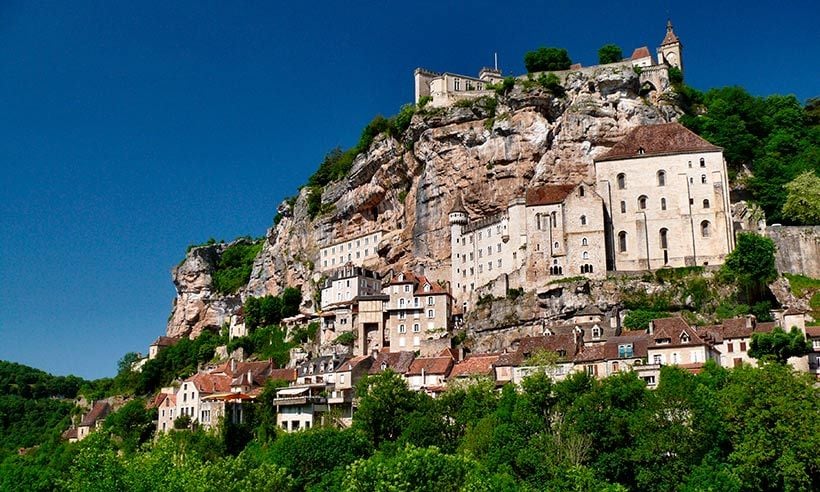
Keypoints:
pixel 798 249
pixel 196 306
pixel 405 188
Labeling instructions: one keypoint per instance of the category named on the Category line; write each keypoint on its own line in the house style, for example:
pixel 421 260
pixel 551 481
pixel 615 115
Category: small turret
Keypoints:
pixel 458 214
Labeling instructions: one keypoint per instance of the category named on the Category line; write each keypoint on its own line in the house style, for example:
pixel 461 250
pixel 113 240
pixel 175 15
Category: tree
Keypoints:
pixel 410 469
pixel 385 402
pixel 803 199
pixel 610 53
pixel 778 345
pixel 751 264
pixel 547 59
pixel 133 424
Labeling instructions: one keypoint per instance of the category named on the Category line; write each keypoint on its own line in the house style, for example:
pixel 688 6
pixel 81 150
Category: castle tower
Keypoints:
pixel 458 216
pixel 670 50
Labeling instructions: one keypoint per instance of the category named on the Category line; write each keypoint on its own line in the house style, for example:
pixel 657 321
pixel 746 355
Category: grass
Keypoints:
pixel 802 285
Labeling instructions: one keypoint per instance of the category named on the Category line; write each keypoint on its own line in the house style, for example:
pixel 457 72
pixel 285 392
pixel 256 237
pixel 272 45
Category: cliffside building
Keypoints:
pixel 353 251
pixel 666 200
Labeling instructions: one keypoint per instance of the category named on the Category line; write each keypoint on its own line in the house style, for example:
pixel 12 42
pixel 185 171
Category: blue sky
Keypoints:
pixel 132 129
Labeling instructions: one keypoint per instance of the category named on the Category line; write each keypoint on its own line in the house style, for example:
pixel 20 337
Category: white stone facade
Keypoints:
pixel 350 251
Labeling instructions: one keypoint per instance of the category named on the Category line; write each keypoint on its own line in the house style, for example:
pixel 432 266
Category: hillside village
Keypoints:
pixel 659 198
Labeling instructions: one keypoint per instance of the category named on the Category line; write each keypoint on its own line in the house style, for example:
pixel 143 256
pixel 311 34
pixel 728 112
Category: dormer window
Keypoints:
pixel 384 366
pixel 401 277
pixel 596 332
pixel 427 287
pixel 663 341
pixel 684 338
pixel 641 151
pixel 562 353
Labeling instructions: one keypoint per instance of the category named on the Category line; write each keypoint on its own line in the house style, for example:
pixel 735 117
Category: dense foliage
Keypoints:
pixel 779 345
pixel 234 267
pixel 742 429
pixel 610 53
pixel 751 264
pixel 268 342
pixel 774 137
pixel 269 310
pixel 547 59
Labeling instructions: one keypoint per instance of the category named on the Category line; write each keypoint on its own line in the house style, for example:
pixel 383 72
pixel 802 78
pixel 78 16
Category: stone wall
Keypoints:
pixel 798 249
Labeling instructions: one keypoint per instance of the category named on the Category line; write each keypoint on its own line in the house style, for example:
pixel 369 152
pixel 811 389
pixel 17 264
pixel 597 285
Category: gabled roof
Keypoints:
pixel 398 362
pixel 71 433
pixel 548 194
pixel 166 399
pixel 476 365
pixel 813 331
pixel 736 328
pixel 210 383
pixel 661 139
pixel 406 278
pixel 458 205
pixel 590 353
pixel 673 329
pixel 589 310
pixel 354 363
pixel 558 342
pixel 164 341
pixel 793 311
pixel 288 375
pixel 435 288
pixel 430 365
pixel 99 410
pixel 639 53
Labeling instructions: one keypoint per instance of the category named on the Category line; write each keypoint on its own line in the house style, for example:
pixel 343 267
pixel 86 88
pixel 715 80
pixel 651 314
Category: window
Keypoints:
pixel 743 346
pixel 555 245
pixel 499 263
pixel 705 229
pixel 402 329
pixel 416 328
pixel 625 350
pixel 622 241
pixel 457 84
pixel 498 248
pixel 642 202
pixel 684 338
pixel 402 315
pixel 586 268
pixel 583 220
pixel 657 359
pixel 489 250
pixel 621 181
pixel 538 222
pixel 663 238
pixel 585 255
pixel 479 236
pixel 690 164
pixel 661 178
pixel 401 302
pixel 705 203
pixel 663 203
pixel 702 162
pixel 641 151
pixel 407 288
pixel 623 207
pixel 675 358
pixel 703 179
pixel 480 253
pixel 596 332
pixel 584 242
pixel 489 266
pixel 431 313
pixel 554 220
pixel 430 301
pixel 581 191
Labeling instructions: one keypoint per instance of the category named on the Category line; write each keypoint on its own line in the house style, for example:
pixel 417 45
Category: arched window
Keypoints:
pixel 581 191
pixel 583 220
pixel 621 181
pixel 702 162
pixel 622 241
pixel 623 207
pixel 555 245
pixel 661 178
pixel 584 241
pixel 706 203
pixel 663 237
pixel 703 179
pixel 596 332
pixel 705 228
pixel 585 255
pixel 690 164
pixel 642 202
pixel 663 203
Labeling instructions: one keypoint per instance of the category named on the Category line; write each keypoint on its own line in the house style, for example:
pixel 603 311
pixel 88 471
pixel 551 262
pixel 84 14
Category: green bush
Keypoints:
pixel 638 319
pixel 234 267
pixel 610 53
pixel 547 59
pixel 346 338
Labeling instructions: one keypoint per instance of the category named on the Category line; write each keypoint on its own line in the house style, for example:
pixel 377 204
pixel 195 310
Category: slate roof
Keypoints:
pixel 528 346
pixel 288 375
pixel 590 310
pixel 430 365
pixel 660 139
pixel 398 362
pixel 548 194
pixel 640 344
pixel 476 365
pixel 458 205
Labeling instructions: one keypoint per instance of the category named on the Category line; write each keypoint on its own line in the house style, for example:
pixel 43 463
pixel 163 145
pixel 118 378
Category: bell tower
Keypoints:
pixel 671 50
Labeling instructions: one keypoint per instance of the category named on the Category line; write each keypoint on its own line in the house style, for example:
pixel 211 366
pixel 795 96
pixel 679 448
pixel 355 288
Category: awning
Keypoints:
pixel 291 391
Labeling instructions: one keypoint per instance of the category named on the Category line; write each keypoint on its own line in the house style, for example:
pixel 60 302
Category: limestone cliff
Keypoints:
pixel 489 153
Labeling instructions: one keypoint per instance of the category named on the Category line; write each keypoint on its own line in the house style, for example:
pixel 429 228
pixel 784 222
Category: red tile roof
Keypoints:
pixel 406 278
pixel 435 288
pixel 590 353
pixel 288 375
pixel 765 327
pixel 672 329
pixel 639 53
pixel 210 383
pixel 670 37
pixel 398 362
pixel 559 342
pixel 661 139
pixel 355 362
pixel 476 365
pixel 813 331
pixel 736 328
pixel 430 365
pixel 70 433
pixel 548 194
pixel 99 410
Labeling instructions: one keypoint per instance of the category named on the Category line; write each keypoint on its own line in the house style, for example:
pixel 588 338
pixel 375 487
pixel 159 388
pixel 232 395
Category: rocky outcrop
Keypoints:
pixel 197 307
pixel 488 152
pixel 798 249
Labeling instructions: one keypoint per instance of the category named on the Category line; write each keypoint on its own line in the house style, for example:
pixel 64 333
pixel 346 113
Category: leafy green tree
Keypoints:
pixel 778 345
pixel 385 402
pixel 610 53
pixel 410 469
pixel 132 424
pixel 233 270
pixel 638 319
pixel 751 264
pixel 547 59
pixel 802 204
pixel 96 467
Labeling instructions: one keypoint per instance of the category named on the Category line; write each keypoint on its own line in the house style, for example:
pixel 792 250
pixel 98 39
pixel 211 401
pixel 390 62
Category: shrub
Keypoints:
pixel 675 76
pixel 424 100
pixel 546 59
pixel 346 338
pixel 638 319
pixel 551 83
pixel 610 53
pixel 234 267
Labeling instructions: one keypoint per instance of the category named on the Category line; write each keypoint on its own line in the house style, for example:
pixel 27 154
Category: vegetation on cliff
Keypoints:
pixel 234 268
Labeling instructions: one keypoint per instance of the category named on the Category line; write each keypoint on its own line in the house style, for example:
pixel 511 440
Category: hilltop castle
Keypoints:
pixel 446 88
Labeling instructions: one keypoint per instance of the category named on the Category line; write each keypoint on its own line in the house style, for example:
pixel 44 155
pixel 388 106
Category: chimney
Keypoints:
pixel 233 364
pixel 651 327
pixel 250 378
